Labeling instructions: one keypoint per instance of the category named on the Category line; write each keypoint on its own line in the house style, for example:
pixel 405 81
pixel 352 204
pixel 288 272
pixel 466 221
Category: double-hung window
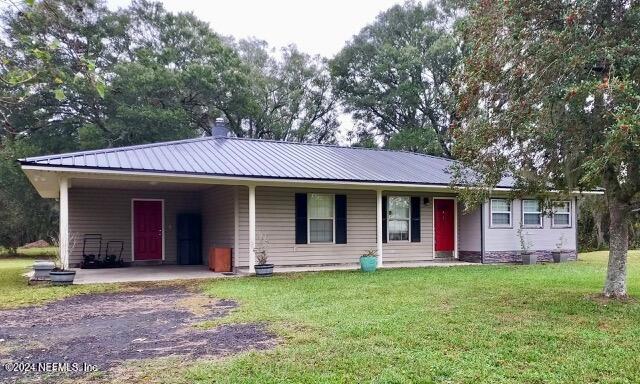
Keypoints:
pixel 561 214
pixel 321 218
pixel 399 218
pixel 531 214
pixel 501 213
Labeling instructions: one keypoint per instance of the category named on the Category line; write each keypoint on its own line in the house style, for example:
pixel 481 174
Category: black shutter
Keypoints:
pixel 341 219
pixel 301 218
pixel 385 208
pixel 415 219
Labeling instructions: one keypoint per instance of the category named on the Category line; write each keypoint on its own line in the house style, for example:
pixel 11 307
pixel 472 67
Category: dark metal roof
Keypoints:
pixel 241 157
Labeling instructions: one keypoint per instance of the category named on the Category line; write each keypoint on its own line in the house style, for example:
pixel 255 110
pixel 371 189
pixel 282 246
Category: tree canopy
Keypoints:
pixel 76 75
pixel 396 75
pixel 551 96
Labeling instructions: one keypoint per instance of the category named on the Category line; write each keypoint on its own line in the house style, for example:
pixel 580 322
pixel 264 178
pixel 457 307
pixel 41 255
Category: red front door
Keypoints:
pixel 444 225
pixel 147 230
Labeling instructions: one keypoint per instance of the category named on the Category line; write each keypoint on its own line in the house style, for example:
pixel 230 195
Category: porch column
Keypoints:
pixel 379 225
pixel 252 228
pixel 236 226
pixel 64 222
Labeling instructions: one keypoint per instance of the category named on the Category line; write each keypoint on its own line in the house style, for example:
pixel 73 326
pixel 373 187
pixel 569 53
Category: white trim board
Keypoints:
pixel 243 180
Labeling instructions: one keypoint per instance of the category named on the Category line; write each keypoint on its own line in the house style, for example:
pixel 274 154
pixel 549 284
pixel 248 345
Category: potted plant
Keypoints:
pixel 60 275
pixel 263 269
pixel 557 254
pixel 369 261
pixel 528 257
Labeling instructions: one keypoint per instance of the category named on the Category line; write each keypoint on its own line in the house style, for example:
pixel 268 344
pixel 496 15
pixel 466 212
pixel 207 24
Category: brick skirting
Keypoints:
pixel 470 256
pixel 492 257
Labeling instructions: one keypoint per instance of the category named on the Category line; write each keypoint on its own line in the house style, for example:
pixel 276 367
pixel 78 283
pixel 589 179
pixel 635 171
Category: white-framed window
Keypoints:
pixel 531 214
pixel 399 218
pixel 561 214
pixel 501 213
pixel 321 216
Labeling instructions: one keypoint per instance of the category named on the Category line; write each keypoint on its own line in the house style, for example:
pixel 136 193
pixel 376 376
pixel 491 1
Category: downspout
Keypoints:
pixel 482 233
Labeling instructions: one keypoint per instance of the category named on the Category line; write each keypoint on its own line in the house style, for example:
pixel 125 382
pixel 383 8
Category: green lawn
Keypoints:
pixel 45 253
pixel 484 324
pixel 14 291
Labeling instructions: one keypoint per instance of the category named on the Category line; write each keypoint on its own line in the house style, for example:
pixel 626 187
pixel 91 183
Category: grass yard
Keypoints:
pixel 485 324
pixel 45 253
pixel 15 292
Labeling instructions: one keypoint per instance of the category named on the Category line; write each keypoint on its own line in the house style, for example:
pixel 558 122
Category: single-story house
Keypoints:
pixel 314 204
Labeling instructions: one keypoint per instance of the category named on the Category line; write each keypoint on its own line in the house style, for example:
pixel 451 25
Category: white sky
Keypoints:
pixel 316 27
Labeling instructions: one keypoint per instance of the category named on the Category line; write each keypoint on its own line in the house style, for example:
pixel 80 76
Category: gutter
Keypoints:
pixel 167 176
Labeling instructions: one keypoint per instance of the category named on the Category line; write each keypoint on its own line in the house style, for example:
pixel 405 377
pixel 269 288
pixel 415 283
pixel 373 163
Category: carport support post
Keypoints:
pixel 64 222
pixel 379 225
pixel 252 228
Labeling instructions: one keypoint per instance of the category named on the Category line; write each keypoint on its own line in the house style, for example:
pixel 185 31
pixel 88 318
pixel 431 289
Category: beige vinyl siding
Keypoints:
pixel 217 218
pixel 406 250
pixel 108 212
pixel 275 217
pixel 469 229
pixel 545 238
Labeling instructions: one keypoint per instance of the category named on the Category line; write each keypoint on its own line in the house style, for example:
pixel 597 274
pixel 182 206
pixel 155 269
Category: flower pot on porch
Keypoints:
pixel 264 270
pixel 62 277
pixel 529 258
pixel 368 263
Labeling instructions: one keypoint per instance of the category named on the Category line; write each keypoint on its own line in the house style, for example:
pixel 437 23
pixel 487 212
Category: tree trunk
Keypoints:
pixel 616 284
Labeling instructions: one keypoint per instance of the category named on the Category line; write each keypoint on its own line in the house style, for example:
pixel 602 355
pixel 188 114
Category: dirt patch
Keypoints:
pixel 37 244
pixel 600 299
pixel 106 329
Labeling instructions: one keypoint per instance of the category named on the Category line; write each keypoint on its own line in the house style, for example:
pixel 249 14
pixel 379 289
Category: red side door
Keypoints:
pixel 147 230
pixel 444 222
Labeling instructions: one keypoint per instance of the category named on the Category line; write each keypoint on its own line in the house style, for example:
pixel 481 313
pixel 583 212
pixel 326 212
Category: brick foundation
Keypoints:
pixel 470 256
pixel 493 257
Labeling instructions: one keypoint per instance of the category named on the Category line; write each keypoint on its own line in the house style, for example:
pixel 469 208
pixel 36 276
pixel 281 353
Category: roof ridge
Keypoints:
pixel 338 146
pixel 119 149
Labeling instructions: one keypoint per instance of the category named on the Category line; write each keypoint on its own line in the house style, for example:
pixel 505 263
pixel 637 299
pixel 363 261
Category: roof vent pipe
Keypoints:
pixel 220 128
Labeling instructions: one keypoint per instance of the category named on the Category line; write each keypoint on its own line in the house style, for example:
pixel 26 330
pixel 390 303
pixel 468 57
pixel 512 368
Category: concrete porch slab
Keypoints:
pixel 145 273
pixel 387 265
pixel 186 272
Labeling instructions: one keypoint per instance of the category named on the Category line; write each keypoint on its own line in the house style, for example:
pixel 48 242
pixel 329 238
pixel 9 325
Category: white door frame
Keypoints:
pixel 133 239
pixel 455 224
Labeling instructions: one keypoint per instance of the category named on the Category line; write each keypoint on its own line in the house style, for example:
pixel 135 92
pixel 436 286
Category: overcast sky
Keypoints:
pixel 316 27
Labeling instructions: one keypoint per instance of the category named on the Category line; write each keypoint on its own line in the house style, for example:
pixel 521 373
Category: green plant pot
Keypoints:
pixel 368 263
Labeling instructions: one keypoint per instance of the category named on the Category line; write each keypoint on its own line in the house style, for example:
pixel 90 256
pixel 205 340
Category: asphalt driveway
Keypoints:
pixel 101 331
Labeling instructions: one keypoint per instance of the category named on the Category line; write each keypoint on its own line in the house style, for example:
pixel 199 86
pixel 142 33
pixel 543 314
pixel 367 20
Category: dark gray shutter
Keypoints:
pixel 341 219
pixel 415 219
pixel 301 218
pixel 385 208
